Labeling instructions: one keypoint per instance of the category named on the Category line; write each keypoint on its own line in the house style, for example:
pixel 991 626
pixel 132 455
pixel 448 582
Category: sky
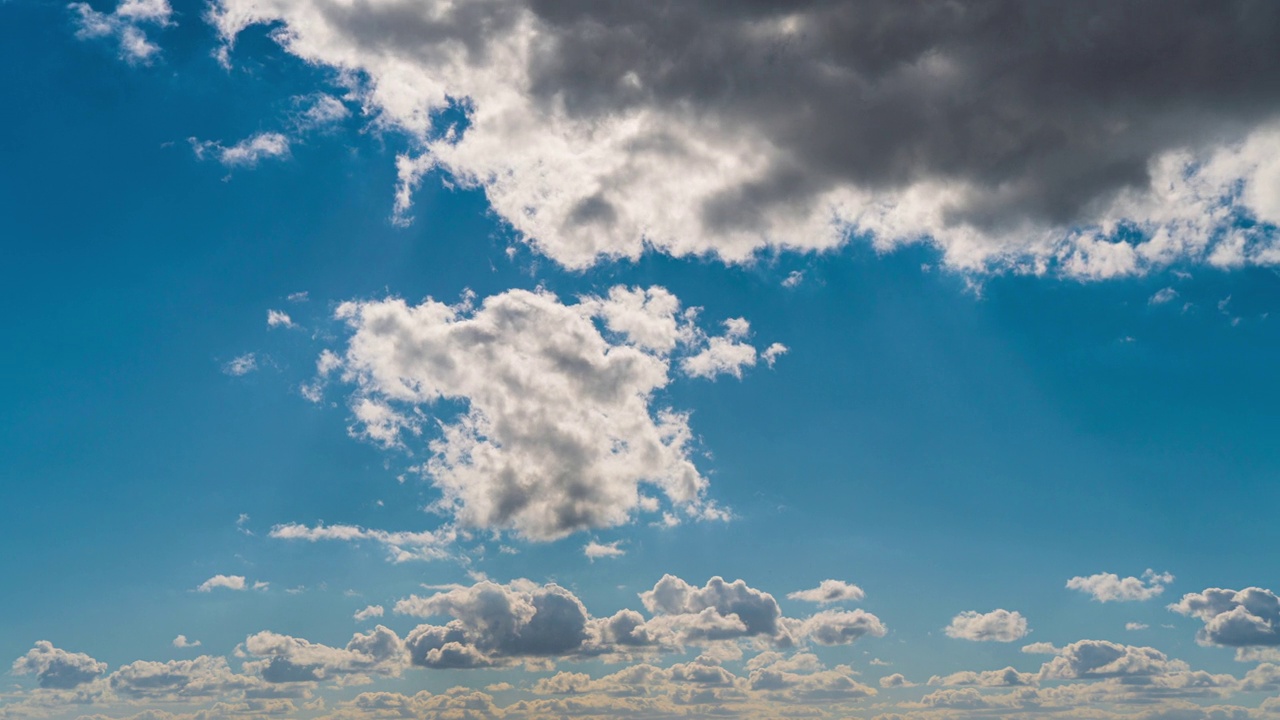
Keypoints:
pixel 521 359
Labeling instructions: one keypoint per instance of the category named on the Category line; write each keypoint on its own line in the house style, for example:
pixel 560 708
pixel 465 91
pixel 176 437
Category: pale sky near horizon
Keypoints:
pixel 528 359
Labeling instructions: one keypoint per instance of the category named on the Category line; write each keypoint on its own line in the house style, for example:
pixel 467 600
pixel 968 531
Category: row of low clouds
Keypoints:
pixel 1092 139
pixel 523 623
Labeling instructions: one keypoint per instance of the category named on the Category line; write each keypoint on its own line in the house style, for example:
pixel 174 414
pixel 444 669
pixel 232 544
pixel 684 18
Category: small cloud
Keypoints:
pixel 996 626
pixel 1131 626
pixel 1109 587
pixel 279 318
pixel 896 680
pixel 372 611
pixel 182 642
pixel 261 585
pixel 829 591
pixel 879 662
pixel 241 522
pixel 230 582
pixel 247 152
pixel 773 352
pixel 1163 296
pixel 242 365
pixel 298 297
pixel 594 550
pixel 125 25
pixel 793 279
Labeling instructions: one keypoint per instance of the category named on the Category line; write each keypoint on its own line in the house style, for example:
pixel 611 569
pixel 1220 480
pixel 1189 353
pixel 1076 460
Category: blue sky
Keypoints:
pixel 257 289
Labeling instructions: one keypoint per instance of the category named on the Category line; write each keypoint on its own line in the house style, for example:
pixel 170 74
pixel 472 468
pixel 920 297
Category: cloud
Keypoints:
pixel 995 626
pixel 545 411
pixel 1133 626
pixel 279 318
pixel 1162 296
pixel 57 669
pixel 1101 659
pixel 247 152
pixel 401 546
pixel 182 642
pixel 201 677
pixel 1008 677
pixel 371 611
pixel 954 124
pixel 230 582
pixel 1244 618
pixel 595 550
pixel 895 680
pixel 1109 587
pixel 284 659
pixel 829 591
pixel 125 26
pixel 242 365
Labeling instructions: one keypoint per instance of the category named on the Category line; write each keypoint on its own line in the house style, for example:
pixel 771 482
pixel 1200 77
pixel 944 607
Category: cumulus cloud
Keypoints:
pixel 594 550
pixel 125 25
pixel 557 431
pixel 201 677
pixel 284 659
pixel 182 642
pixel 371 611
pixel 829 591
pixel 1008 677
pixel 279 318
pixel 1243 618
pixel 995 626
pixel 1109 587
pixel 952 123
pixel 57 669
pixel 230 582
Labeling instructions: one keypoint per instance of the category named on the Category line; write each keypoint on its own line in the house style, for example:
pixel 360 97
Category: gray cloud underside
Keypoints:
pixel 1009 133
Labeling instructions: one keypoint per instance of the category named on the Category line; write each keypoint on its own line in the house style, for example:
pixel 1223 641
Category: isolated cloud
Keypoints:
pixel 369 611
pixel 230 582
pixel 241 365
pixel 829 591
pixel 1109 587
pixel 279 318
pixel 57 669
pixel 125 25
pixel 182 642
pixel 997 626
pixel 246 153
pixel 1234 618
pixel 401 546
pixel 594 550
pixel 598 130
pixel 545 410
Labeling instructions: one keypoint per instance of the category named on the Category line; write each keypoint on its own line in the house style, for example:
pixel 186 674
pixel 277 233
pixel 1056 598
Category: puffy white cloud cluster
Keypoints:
pixel 1235 618
pixel 1109 587
pixel 125 25
pixel 285 659
pixel 602 130
pixel 558 431
pixel 56 668
pixel 997 626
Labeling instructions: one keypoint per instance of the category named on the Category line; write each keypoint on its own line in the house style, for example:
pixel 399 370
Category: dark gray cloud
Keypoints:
pixel 996 128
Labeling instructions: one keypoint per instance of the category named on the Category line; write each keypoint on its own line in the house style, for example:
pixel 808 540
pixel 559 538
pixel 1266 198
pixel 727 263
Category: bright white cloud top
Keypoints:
pixel 558 431
pixel 996 626
pixel 1109 587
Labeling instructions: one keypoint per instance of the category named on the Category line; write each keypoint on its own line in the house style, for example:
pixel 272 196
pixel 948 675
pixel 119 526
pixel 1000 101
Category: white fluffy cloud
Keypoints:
pixel 1235 618
pixel 230 582
pixel 592 143
pixel 996 626
pixel 183 642
pixel 829 591
pixel 1109 587
pixel 557 430
pixel 594 550
pixel 125 25
pixel 371 611
pixel 55 668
